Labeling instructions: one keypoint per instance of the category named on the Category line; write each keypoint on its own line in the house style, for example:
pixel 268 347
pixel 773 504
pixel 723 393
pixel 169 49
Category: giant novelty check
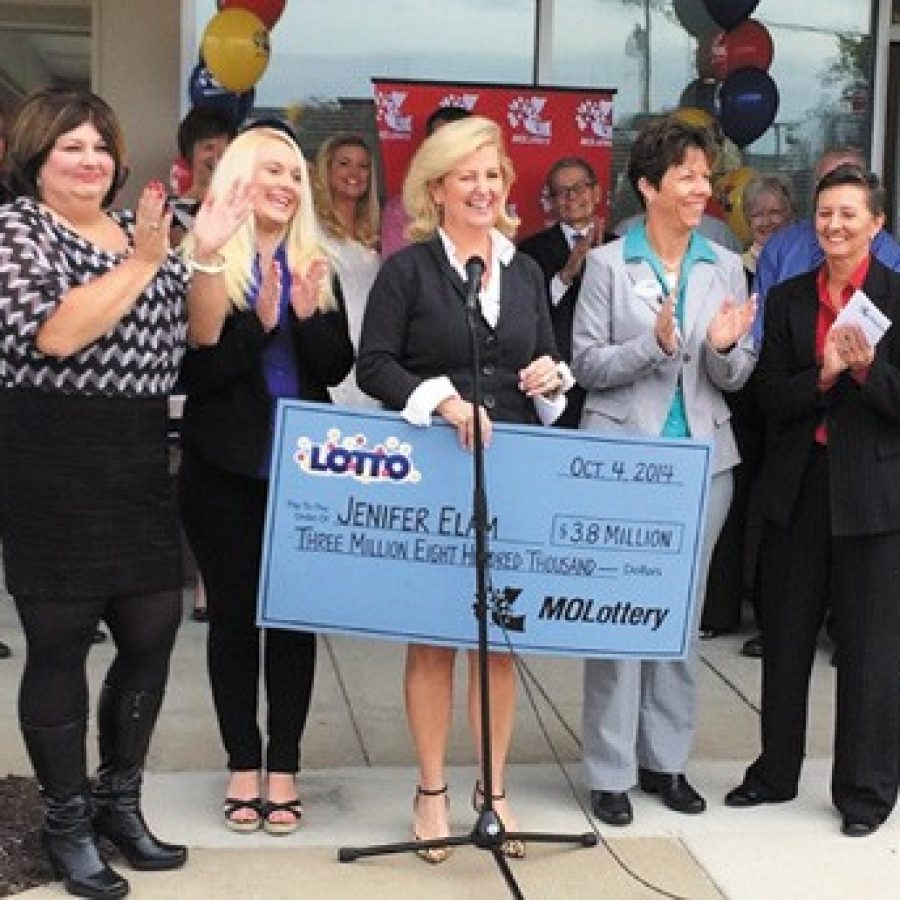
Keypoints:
pixel 594 542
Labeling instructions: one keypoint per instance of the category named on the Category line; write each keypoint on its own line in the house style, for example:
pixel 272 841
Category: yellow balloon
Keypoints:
pixel 730 189
pixel 693 115
pixel 235 49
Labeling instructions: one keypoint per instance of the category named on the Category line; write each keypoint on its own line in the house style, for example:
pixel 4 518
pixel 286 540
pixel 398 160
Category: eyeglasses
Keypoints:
pixel 571 191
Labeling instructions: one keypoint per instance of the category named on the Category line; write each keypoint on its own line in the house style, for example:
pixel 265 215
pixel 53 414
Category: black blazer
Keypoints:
pixel 228 412
pixel 415 328
pixel 550 250
pixel 863 419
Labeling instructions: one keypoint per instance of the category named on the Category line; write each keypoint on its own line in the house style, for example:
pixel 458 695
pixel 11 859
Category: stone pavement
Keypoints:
pixel 358 782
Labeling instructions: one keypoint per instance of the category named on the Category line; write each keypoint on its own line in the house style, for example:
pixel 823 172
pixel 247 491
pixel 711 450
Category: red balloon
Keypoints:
pixel 746 46
pixel 268 11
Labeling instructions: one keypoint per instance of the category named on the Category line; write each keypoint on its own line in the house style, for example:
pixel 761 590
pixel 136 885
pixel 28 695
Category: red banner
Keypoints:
pixel 540 125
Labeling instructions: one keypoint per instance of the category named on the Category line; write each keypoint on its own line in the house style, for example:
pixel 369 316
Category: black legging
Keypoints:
pixel 223 516
pixel 58 636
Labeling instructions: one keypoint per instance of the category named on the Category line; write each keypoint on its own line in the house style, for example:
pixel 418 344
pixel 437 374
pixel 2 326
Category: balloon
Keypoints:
pixel 180 176
pixel 691 115
pixel 730 190
pixel 235 48
pixel 728 13
pixel 204 90
pixel 701 93
pixel 746 46
pixel 693 16
pixel 268 11
pixel 748 103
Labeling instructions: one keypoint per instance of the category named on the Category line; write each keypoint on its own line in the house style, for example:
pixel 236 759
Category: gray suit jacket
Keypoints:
pixel 630 380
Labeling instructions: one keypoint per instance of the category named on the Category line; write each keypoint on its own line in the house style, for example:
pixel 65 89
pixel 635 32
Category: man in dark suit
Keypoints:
pixel 560 251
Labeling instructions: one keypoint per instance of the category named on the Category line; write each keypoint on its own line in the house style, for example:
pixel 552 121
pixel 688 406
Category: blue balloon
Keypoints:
pixel 748 104
pixel 729 13
pixel 204 90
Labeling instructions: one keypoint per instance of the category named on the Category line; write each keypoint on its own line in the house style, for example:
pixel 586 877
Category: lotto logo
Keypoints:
pixel 351 457
pixel 463 101
pixel 594 120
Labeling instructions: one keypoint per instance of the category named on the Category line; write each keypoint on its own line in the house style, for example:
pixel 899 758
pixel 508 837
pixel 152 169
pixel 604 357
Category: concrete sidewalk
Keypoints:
pixel 359 778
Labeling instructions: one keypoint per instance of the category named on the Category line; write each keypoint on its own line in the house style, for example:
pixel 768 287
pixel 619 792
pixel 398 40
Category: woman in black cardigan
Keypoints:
pixel 267 325
pixel 415 357
pixel 830 491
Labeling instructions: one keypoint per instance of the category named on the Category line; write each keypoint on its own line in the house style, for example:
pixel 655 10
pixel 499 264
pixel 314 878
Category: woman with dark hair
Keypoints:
pixel 93 322
pixel 661 330
pixel 831 503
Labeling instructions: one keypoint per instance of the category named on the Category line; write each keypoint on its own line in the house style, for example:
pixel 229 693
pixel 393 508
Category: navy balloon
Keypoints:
pixel 748 104
pixel 204 90
pixel 701 93
pixel 729 13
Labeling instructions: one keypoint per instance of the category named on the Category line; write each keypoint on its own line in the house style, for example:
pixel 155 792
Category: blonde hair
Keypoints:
pixel 440 153
pixel 237 164
pixel 367 214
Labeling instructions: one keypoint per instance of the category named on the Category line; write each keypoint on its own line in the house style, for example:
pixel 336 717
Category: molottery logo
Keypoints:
pixel 463 101
pixel 389 114
pixel 352 457
pixel 524 115
pixel 594 121
pixel 502 600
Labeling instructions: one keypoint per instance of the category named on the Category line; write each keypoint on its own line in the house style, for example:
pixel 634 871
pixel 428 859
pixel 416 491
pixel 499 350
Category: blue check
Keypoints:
pixel 594 542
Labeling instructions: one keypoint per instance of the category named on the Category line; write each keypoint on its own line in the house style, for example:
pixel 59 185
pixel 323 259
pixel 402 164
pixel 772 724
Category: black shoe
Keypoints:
pixel 5 652
pixel 855 827
pixel 745 795
pixel 612 807
pixel 753 647
pixel 674 790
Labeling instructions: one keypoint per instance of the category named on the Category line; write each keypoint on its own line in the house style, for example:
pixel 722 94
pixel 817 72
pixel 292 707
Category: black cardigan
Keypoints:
pixel 228 413
pixel 415 328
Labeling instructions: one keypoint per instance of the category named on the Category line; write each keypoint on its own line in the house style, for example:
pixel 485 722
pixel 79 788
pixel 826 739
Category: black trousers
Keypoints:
pixel 223 516
pixel 803 560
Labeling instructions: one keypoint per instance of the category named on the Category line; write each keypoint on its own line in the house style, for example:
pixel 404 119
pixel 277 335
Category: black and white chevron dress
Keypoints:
pixel 86 503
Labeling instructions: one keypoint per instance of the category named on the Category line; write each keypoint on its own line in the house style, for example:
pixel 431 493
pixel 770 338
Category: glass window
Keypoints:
pixel 650 51
pixel 895 12
pixel 324 53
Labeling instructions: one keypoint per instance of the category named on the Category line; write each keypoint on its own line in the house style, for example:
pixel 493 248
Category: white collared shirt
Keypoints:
pixel 558 287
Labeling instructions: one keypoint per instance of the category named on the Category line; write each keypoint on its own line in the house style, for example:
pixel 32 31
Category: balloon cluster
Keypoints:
pixel 733 88
pixel 234 53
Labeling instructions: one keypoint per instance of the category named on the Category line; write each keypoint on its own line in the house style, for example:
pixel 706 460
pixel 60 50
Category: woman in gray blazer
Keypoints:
pixel 661 329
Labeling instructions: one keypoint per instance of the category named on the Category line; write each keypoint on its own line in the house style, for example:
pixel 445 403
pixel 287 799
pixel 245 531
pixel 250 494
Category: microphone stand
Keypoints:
pixel 488 832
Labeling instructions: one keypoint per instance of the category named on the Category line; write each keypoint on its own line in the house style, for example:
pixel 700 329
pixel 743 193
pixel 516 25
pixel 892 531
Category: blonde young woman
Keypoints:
pixel 346 199
pixel 267 323
pixel 414 357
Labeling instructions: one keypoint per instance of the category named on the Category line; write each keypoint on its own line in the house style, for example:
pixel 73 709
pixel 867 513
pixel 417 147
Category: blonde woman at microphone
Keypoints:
pixel 415 357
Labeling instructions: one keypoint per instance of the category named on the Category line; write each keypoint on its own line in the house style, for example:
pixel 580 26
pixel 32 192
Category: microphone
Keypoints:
pixel 474 271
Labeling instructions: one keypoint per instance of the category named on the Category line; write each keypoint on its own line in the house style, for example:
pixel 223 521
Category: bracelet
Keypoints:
pixel 215 268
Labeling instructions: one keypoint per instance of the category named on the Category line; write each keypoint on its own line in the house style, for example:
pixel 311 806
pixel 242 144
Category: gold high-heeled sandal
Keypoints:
pixel 514 848
pixel 433 855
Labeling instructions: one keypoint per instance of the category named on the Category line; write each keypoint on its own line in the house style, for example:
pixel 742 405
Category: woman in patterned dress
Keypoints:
pixel 92 331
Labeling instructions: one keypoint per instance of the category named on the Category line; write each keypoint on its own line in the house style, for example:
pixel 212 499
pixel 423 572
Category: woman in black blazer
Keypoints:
pixel 267 325
pixel 415 357
pixel 830 489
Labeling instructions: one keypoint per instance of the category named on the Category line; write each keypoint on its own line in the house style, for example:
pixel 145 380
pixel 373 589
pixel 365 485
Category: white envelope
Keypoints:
pixel 860 310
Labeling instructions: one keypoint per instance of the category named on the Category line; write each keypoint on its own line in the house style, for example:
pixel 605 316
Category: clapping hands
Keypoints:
pixel 730 323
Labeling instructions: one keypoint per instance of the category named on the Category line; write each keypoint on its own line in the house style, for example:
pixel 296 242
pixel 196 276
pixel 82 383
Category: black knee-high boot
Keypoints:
pixel 58 756
pixel 125 724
